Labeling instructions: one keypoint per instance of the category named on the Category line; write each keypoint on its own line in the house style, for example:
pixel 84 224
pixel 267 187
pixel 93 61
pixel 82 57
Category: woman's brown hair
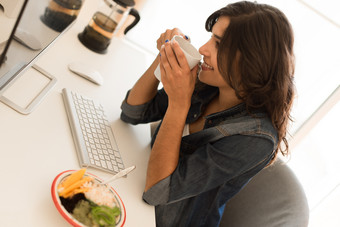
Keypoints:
pixel 256 58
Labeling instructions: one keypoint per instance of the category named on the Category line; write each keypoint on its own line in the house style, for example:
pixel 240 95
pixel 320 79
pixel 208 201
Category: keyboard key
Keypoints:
pixel 109 165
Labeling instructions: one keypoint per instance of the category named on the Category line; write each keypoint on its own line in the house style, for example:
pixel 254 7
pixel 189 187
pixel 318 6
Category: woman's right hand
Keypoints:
pixel 146 87
pixel 167 35
pixel 177 78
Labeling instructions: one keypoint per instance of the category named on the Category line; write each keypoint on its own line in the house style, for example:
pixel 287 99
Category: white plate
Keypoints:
pixel 66 215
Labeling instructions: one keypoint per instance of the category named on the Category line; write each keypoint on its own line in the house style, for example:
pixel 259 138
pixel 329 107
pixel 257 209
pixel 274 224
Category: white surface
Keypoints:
pixel 87 72
pixel 37 147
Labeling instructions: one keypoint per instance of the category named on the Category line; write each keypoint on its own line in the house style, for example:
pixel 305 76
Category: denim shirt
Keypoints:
pixel 214 163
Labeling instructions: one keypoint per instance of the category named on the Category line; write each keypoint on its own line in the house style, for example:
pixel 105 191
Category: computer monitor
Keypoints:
pixel 25 36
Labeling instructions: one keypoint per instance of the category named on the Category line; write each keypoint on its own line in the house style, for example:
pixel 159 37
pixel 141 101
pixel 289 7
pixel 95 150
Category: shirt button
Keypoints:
pixel 195 115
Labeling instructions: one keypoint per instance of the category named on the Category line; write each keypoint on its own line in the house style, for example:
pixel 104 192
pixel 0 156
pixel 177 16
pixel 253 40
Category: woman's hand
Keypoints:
pixel 167 35
pixel 146 87
pixel 177 78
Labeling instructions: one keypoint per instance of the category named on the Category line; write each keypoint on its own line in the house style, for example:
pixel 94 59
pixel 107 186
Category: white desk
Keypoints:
pixel 36 147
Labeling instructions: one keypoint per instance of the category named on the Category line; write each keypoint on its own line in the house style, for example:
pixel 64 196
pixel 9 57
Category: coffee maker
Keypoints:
pixel 106 22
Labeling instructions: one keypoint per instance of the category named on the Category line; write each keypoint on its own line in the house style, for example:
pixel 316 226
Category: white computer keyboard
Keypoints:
pixel 95 143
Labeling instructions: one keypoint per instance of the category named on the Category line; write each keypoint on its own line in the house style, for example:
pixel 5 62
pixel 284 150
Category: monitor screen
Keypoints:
pixel 23 39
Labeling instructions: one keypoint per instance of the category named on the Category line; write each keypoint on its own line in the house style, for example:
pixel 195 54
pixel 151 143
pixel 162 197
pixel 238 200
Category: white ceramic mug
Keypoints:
pixel 191 54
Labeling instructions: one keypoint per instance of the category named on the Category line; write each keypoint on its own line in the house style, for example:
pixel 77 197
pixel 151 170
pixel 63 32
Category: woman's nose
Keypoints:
pixel 203 50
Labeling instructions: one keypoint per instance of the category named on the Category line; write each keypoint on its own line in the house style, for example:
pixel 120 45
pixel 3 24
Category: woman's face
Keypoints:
pixel 210 74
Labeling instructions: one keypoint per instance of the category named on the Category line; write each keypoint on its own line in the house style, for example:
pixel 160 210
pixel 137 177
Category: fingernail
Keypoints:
pixel 166 40
pixel 186 37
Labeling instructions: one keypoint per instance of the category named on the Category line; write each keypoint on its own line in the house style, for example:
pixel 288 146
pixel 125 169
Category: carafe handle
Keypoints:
pixel 134 13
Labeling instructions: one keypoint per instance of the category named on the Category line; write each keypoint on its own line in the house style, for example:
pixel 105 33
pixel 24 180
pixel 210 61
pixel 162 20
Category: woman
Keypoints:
pixel 221 129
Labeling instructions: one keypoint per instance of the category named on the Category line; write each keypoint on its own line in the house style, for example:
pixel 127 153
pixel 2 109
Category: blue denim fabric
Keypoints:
pixel 214 163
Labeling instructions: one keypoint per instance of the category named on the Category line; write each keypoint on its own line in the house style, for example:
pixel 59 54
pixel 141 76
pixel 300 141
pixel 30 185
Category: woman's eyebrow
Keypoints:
pixel 217 37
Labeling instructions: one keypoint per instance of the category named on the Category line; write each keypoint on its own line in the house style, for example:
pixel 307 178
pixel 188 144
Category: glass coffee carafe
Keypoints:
pixel 60 13
pixel 106 22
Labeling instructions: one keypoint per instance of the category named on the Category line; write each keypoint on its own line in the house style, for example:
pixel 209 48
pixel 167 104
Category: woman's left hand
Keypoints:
pixel 177 78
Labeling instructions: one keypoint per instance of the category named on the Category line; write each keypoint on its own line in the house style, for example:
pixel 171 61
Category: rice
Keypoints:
pixel 100 194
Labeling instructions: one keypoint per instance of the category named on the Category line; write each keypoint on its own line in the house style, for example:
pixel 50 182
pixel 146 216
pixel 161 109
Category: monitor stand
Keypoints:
pixel 9 95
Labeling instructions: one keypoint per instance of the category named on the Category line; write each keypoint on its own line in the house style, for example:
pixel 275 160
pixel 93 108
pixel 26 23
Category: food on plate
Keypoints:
pixel 89 202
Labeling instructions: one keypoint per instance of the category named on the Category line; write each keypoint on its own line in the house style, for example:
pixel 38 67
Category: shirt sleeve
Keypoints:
pixel 209 167
pixel 151 111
